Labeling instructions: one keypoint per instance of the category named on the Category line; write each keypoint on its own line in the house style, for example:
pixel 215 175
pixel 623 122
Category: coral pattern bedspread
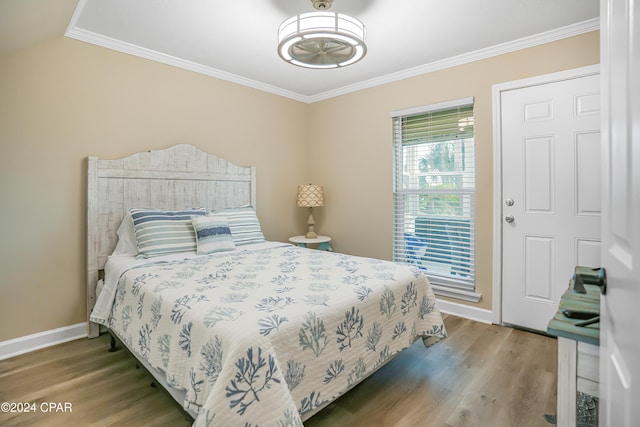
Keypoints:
pixel 260 337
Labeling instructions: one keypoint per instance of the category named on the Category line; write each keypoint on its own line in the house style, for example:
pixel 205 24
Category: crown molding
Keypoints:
pixel 489 52
pixel 526 42
pixel 131 49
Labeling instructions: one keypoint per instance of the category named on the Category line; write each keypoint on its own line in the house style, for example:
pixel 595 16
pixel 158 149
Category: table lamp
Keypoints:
pixel 310 196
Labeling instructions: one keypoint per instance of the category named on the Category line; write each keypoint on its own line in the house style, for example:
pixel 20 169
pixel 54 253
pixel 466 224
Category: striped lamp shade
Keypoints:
pixel 310 196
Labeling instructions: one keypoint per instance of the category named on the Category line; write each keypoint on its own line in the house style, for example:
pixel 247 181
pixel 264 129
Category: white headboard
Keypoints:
pixel 178 177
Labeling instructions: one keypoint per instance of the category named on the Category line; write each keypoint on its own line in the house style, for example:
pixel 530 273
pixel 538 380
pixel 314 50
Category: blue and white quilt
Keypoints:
pixel 264 336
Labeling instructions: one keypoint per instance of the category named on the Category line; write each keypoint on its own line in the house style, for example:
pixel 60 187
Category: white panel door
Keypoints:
pixel 551 194
pixel 620 307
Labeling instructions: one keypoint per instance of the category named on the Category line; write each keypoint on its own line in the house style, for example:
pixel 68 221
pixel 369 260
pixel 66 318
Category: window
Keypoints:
pixel 434 194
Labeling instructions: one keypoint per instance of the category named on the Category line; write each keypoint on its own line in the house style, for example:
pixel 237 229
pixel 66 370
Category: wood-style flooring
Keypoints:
pixel 481 375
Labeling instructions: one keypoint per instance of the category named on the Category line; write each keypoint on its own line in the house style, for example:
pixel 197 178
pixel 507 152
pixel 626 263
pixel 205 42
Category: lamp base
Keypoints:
pixel 311 230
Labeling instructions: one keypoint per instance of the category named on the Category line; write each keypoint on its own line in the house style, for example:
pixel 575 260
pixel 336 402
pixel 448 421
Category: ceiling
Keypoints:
pixel 236 40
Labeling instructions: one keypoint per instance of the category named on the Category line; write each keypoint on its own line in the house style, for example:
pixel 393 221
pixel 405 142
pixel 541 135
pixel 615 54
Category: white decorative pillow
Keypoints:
pixel 244 225
pixel 126 238
pixel 164 232
pixel 212 234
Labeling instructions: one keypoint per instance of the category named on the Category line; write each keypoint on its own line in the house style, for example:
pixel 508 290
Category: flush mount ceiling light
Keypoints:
pixel 321 39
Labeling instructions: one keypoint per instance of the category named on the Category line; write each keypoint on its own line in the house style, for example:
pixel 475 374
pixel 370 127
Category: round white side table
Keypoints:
pixel 321 241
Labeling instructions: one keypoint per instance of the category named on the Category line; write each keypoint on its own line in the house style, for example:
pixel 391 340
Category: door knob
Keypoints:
pixel 509 218
pixel 509 202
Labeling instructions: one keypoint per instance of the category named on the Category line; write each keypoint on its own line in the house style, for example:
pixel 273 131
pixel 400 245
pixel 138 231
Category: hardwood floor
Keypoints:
pixel 481 375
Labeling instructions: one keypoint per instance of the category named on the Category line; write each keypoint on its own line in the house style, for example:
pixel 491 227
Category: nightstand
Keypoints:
pixel 321 241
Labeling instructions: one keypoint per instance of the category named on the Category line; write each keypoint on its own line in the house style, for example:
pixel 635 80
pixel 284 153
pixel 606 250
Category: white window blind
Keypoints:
pixel 434 192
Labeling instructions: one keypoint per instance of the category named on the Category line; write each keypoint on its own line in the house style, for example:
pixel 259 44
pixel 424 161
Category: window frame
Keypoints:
pixel 442 284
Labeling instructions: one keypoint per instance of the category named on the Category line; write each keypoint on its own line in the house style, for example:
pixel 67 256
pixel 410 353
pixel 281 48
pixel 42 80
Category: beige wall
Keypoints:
pixel 64 100
pixel 351 146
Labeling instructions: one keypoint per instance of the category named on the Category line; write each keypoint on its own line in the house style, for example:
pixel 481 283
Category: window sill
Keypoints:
pixel 447 291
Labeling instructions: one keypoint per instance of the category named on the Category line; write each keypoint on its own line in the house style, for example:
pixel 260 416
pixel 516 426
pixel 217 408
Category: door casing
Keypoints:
pixel 497 168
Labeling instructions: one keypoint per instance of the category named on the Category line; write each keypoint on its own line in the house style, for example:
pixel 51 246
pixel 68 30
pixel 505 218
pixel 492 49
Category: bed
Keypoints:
pixel 238 329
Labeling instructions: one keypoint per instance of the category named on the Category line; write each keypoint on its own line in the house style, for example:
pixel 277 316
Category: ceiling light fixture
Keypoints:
pixel 322 39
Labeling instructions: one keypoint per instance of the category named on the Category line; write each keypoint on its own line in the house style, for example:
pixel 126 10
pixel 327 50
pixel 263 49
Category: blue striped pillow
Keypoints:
pixel 244 225
pixel 212 234
pixel 164 232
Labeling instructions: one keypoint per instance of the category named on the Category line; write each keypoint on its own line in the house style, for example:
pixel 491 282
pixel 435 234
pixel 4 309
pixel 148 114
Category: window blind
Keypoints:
pixel 434 192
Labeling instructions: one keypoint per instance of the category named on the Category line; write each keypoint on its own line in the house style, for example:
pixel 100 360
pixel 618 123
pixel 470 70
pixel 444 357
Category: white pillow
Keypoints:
pixel 212 234
pixel 244 224
pixel 160 232
pixel 126 238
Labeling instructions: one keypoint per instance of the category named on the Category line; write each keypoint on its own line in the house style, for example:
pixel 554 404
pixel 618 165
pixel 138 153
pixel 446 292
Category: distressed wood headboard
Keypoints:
pixel 178 177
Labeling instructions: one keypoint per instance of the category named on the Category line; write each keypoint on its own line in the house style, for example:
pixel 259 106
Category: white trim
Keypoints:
pixel 468 312
pixel 496 300
pixel 501 49
pixel 497 90
pixel 141 52
pixel 431 108
pixel 526 42
pixel 28 343
pixel 451 292
pixel 574 73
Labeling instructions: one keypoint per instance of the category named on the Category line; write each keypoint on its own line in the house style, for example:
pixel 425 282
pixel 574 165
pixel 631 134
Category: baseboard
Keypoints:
pixel 28 343
pixel 468 312
pixel 39 340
